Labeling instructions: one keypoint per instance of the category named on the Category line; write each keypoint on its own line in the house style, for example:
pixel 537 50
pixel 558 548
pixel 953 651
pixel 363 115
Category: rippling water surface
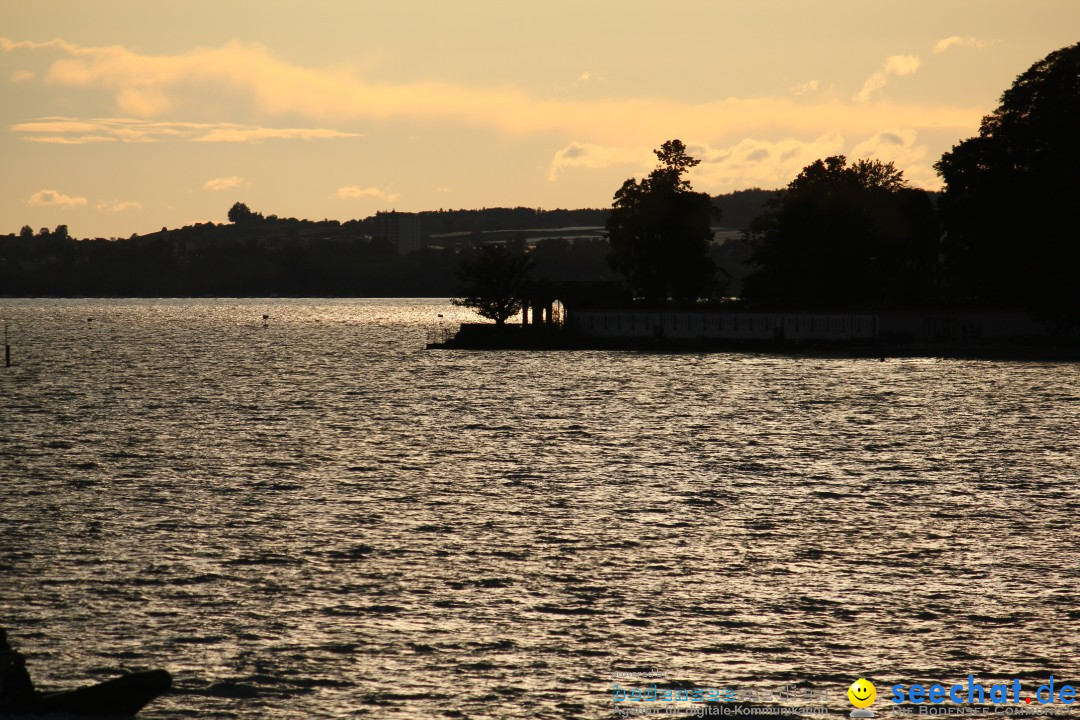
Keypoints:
pixel 319 518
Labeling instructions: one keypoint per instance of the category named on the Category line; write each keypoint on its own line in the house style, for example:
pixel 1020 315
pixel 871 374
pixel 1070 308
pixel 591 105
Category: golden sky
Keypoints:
pixel 122 116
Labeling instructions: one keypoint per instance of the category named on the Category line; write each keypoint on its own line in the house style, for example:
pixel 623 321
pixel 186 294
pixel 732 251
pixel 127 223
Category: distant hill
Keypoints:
pixel 437 222
pixel 268 256
pixel 257 255
pixel 738 209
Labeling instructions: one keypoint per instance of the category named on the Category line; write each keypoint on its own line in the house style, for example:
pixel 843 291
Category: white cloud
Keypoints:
pixel 588 77
pixel 143 101
pixel 805 88
pixel 224 183
pixel 901 147
pixel 352 192
pixel 258 134
pixel 248 73
pixel 748 163
pixel 587 155
pixel 58 125
pixel 10 45
pixel 901 64
pixel 75 131
pixel 957 41
pixel 63 140
pixel 49 198
pixel 118 206
pixel 894 65
pixel 759 163
pixel 754 162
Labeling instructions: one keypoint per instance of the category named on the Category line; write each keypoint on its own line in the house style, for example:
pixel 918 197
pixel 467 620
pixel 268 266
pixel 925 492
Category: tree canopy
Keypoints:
pixel 845 235
pixel 1008 209
pixel 660 229
pixel 241 213
pixel 492 281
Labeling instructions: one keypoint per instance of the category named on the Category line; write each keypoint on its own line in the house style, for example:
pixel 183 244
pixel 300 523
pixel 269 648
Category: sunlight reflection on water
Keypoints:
pixel 320 518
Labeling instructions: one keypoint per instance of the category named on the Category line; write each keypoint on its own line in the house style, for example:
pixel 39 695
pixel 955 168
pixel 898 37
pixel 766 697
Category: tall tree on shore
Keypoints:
pixel 1012 233
pixel 660 229
pixel 492 281
pixel 845 235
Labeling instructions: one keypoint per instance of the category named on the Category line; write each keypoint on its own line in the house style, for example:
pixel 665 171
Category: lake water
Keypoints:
pixel 320 518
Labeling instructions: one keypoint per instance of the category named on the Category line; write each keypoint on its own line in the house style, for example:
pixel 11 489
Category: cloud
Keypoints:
pixel 258 134
pixel 901 147
pixel 759 163
pixel 57 125
pixel 75 131
pixel 21 76
pixel 749 163
pixel 957 41
pixel 894 65
pixel 148 86
pixel 754 162
pixel 7 45
pixel 352 192
pixel 588 77
pixel 901 64
pixel 224 183
pixel 805 88
pixel 143 101
pixel 49 198
pixel 118 206
pixel 587 155
pixel 62 140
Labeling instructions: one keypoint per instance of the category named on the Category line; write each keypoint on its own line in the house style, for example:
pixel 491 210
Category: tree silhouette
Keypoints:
pixel 491 282
pixel 844 235
pixel 1008 209
pixel 660 229
pixel 240 213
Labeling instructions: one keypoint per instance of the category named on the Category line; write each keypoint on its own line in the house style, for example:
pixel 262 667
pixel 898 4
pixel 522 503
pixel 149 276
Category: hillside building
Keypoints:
pixel 401 229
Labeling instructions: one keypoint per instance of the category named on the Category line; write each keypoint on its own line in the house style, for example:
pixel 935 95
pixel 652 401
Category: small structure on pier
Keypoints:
pixel 547 304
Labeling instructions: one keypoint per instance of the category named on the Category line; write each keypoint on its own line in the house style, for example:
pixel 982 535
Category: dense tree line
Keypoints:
pixel 740 208
pixel 1005 232
pixel 256 256
pixel 846 235
pixel 1012 233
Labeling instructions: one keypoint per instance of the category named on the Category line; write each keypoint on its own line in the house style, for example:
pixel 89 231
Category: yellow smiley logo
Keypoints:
pixel 862 693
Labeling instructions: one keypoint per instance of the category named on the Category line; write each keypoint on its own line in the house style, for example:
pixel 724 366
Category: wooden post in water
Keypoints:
pixel 7 348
